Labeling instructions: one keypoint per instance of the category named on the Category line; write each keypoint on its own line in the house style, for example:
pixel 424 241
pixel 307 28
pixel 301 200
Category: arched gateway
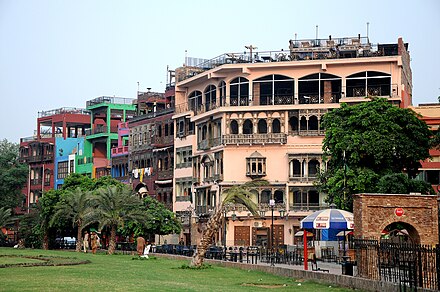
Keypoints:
pixel 396 217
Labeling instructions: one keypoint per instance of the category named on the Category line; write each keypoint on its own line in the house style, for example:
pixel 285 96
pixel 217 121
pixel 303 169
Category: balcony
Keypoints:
pixel 164 140
pixel 183 199
pixel 307 207
pixel 316 98
pixel 302 179
pixel 381 90
pixel 63 110
pixel 250 139
pixel 204 209
pixel 165 174
pixel 209 143
pixel 119 151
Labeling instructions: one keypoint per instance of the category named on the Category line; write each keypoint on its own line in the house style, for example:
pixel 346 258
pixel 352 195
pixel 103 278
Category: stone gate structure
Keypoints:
pixel 419 213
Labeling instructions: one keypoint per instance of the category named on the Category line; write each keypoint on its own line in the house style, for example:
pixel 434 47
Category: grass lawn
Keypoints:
pixel 122 273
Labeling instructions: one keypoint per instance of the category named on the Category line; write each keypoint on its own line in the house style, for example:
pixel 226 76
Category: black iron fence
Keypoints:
pixel 249 255
pixel 412 266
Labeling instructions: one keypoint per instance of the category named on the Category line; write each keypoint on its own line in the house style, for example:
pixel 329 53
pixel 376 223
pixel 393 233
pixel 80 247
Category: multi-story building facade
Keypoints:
pixel 151 140
pixel 241 117
pixel 430 171
pixel 58 132
pixel 106 114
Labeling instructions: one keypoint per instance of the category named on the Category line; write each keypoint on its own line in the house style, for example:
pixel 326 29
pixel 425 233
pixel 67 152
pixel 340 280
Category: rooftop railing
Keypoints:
pixel 300 50
pixel 109 99
pixel 63 110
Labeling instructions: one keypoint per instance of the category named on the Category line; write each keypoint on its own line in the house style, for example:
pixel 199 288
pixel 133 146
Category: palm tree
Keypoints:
pixel 75 207
pixel 238 194
pixel 114 207
pixel 6 216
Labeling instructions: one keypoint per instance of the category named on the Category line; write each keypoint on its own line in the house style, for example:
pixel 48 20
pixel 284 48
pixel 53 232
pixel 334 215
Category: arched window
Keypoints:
pixel 278 196
pixel 247 127
pixel 210 97
pixel 262 127
pixel 313 167
pixel 222 89
pixel 368 83
pixel 276 126
pixel 293 124
pixel 195 100
pixel 303 124
pixel 265 196
pixel 313 123
pixel 296 168
pixel 204 132
pixel 319 88
pixel 274 89
pixel 234 127
pixel 239 92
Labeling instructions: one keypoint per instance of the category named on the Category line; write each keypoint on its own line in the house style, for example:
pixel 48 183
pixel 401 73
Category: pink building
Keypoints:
pixel 241 117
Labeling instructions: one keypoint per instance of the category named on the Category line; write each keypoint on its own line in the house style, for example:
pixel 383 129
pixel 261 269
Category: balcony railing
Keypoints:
pixel 162 140
pixel 183 199
pixel 307 207
pixel 208 143
pixel 300 50
pixel 119 150
pixel 165 174
pixel 204 209
pixel 314 97
pixel 303 179
pixel 108 99
pixel 63 110
pixel 382 90
pixel 270 138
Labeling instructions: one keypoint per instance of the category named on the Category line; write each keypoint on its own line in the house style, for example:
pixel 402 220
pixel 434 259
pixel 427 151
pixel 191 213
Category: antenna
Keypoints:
pixel 186 57
pixel 316 32
pixel 368 26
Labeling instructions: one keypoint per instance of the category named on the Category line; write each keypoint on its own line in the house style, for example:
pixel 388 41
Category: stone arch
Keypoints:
pixel 401 232
pixel 413 234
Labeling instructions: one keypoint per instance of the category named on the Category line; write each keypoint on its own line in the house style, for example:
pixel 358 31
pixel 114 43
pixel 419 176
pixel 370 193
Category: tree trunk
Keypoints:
pixel 212 228
pixel 79 238
pixel 46 240
pixel 112 243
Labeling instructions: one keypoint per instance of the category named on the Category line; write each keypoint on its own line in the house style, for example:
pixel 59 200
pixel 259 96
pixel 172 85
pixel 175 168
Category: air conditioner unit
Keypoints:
pixel 258 224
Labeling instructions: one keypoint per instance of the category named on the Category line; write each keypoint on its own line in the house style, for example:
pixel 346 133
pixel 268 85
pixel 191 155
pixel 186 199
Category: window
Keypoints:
pixel 184 157
pixel 63 169
pixel 234 127
pixel 239 92
pixel 71 166
pixel 210 97
pixel 276 126
pixel 47 177
pixel 274 89
pixel 319 88
pixel 247 127
pixel 195 100
pixel 368 83
pixel 262 127
pixel 256 165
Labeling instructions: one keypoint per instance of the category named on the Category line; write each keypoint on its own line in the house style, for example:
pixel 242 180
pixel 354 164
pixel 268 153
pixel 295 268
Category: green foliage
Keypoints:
pixel 85 183
pixel 158 220
pixel 202 267
pixel 6 217
pixel 30 229
pixel 366 142
pixel 114 206
pixel 13 175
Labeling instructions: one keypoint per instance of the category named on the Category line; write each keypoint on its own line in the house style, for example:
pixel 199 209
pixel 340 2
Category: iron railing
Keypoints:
pixel 412 266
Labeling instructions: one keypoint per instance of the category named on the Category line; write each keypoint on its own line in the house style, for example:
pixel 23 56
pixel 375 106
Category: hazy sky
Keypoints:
pixel 62 53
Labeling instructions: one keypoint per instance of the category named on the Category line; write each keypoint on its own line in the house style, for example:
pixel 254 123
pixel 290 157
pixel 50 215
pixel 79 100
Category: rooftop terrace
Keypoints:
pixel 301 50
pixel 109 100
pixel 63 110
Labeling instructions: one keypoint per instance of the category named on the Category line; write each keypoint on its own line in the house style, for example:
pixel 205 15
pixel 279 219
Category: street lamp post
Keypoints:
pixel 272 207
pixel 225 212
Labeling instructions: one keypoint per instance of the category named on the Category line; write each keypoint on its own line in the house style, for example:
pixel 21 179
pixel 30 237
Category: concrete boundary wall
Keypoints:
pixel 319 277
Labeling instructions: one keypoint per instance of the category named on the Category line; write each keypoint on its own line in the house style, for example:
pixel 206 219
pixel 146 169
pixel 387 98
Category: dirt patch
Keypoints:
pixel 268 286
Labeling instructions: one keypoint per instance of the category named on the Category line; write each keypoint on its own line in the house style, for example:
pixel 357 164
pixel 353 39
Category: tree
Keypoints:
pixel 6 217
pixel 47 207
pixel 238 194
pixel 158 220
pixel 113 207
pixel 366 142
pixel 75 207
pixel 13 175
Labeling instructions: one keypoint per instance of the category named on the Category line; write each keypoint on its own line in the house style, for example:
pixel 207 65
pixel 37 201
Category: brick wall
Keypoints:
pixel 374 212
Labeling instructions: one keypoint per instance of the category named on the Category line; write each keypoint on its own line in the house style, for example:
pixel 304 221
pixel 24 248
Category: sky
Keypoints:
pixel 57 54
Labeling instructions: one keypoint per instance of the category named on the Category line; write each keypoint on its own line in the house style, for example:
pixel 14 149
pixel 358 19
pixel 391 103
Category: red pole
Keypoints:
pixel 306 264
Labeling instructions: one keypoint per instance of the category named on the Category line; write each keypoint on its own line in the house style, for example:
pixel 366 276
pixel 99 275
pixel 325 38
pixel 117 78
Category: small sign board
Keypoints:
pixel 399 211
